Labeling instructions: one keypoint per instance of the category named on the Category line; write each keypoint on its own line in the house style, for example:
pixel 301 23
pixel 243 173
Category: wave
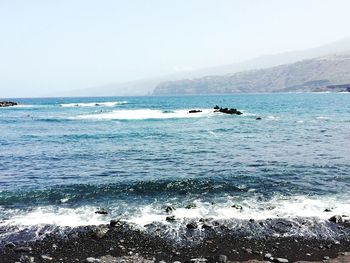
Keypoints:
pixel 94 104
pixel 224 208
pixel 142 114
pixel 297 216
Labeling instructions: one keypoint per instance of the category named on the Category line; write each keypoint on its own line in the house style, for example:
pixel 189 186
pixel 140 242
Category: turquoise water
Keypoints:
pixel 61 159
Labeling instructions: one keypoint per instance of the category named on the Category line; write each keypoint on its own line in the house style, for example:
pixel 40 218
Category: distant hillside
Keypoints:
pixel 327 73
pixel 146 86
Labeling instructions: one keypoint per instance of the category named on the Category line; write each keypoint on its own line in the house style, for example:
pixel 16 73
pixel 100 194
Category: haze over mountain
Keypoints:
pixel 147 86
pixel 326 73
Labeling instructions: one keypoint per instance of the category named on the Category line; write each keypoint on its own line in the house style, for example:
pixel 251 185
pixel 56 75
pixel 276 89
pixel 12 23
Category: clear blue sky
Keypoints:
pixel 50 46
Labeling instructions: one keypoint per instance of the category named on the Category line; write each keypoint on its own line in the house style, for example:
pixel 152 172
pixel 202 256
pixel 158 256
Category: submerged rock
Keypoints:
pixel 258 118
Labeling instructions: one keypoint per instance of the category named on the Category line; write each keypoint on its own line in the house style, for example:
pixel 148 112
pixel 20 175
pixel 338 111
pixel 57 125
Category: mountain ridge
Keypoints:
pixel 324 73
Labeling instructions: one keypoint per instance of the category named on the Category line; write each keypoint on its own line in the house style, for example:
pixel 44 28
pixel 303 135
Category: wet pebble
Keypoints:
pixel 22 249
pixel 92 260
pixel 10 245
pixel 170 218
pixel 268 256
pixel 45 257
pixel 222 259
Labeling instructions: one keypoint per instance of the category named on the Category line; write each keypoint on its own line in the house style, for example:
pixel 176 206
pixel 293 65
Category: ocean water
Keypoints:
pixel 61 159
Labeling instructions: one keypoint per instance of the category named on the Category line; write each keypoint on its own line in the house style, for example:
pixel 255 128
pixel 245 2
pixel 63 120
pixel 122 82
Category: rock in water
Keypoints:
pixel 194 111
pixel 7 103
pixel 227 110
pixel 170 218
pixel 191 206
pixel 237 206
pixel 170 208
pixel 336 219
pixel 101 212
pixel 192 225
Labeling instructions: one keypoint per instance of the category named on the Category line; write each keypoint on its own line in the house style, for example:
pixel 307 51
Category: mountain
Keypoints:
pixel 326 73
pixel 146 86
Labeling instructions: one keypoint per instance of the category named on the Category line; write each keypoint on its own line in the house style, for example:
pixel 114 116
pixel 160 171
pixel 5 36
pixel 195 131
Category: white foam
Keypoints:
pixel 279 207
pixel 50 215
pixel 293 207
pixel 141 114
pixel 271 117
pixel 94 104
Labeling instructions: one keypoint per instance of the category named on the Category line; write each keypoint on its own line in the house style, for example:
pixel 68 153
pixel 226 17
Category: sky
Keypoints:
pixel 47 47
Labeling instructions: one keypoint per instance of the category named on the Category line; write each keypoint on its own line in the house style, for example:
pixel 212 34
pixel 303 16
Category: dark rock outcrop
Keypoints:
pixel 101 212
pixel 227 110
pixel 194 111
pixel 7 103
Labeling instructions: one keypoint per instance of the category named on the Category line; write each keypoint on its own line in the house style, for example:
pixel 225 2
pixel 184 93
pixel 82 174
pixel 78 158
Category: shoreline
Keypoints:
pixel 120 241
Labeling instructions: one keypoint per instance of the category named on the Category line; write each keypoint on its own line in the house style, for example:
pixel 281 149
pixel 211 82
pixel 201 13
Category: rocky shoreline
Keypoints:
pixel 122 242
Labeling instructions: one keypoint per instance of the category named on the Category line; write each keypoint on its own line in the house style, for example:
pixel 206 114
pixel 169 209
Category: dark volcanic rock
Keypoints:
pixel 192 225
pixel 101 212
pixel 194 111
pixel 170 208
pixel 336 219
pixel 227 110
pixel 170 218
pixel 114 223
pixel 258 118
pixel 7 103
pixel 22 249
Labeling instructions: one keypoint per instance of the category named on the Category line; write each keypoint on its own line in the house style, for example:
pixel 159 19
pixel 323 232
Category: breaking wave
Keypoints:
pixel 142 114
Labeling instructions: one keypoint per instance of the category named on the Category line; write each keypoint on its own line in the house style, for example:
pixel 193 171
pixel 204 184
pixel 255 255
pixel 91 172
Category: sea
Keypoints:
pixel 63 159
